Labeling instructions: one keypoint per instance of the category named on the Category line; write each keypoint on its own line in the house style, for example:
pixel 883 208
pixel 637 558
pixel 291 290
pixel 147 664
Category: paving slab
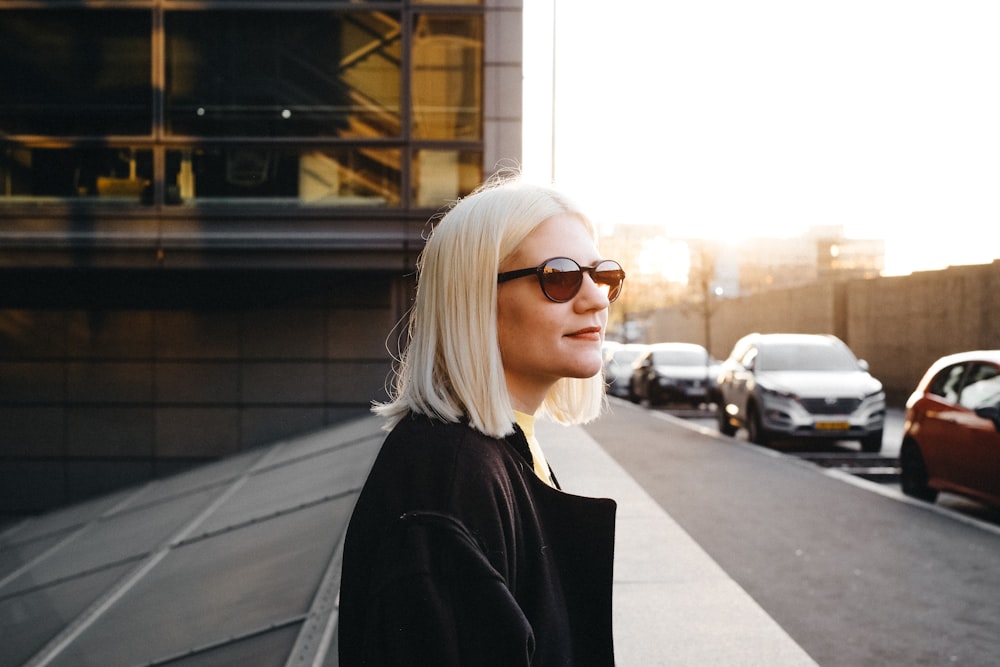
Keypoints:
pixel 673 604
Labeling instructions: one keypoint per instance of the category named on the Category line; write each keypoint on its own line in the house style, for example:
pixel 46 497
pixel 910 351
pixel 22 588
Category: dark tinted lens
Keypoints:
pixel 561 279
pixel 610 273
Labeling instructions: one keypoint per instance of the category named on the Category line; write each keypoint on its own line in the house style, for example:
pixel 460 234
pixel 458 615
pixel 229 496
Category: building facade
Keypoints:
pixel 210 214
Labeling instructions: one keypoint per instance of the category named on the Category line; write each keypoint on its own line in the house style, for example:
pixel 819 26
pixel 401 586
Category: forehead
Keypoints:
pixel 563 235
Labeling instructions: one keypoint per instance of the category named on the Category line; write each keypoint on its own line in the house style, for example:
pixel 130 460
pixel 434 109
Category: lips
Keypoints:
pixel 585 333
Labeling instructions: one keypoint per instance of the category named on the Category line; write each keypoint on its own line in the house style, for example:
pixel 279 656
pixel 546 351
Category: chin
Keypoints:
pixel 587 371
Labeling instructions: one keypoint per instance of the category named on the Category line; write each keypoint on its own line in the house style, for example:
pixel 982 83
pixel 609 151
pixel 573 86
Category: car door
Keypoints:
pixel 976 440
pixel 937 421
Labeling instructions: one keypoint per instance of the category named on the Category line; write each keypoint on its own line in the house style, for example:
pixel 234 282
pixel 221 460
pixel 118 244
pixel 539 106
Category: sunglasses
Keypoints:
pixel 561 277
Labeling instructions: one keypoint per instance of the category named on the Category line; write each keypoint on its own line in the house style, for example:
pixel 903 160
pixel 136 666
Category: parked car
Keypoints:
pixel 951 436
pixel 672 373
pixel 618 367
pixel 799 385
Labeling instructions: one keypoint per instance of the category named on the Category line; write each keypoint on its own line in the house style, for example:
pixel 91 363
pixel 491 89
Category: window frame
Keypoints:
pixel 160 143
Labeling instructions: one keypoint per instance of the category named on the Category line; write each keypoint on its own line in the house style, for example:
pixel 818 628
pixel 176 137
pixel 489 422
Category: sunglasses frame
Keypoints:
pixel 540 272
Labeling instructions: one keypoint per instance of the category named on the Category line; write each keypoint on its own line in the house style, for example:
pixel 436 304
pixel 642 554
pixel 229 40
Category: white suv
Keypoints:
pixel 799 385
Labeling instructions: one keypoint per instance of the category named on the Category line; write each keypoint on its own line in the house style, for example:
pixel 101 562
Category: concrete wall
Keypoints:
pixel 898 324
pixel 96 396
pixel 502 84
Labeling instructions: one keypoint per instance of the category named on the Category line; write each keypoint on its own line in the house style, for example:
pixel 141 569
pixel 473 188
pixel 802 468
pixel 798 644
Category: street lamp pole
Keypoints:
pixel 552 161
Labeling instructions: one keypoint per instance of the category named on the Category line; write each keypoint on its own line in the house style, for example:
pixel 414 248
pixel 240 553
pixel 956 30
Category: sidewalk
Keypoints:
pixel 673 605
pixel 240 557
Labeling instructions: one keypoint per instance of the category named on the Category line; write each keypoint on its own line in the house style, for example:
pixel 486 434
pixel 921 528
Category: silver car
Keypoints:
pixel 618 367
pixel 799 385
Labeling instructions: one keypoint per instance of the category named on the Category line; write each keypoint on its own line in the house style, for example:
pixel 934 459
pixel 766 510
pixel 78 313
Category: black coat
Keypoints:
pixel 457 554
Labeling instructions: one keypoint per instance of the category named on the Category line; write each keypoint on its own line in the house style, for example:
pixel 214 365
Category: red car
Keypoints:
pixel 951 438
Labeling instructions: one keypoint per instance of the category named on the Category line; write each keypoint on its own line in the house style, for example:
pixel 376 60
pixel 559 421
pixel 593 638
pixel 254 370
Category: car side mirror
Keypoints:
pixel 863 364
pixel 992 413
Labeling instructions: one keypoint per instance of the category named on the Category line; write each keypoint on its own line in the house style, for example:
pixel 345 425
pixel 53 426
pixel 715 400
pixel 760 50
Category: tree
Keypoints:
pixel 701 299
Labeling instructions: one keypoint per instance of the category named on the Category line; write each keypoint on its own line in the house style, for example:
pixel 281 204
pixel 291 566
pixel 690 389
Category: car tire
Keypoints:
pixel 722 417
pixel 755 428
pixel 632 395
pixel 913 473
pixel 872 442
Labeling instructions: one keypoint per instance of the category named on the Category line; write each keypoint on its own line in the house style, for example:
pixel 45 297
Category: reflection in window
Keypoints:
pixel 330 177
pixel 75 72
pixel 441 176
pixel 945 384
pixel 283 74
pixel 110 174
pixel 447 81
pixel 806 358
pixel 255 106
pixel 982 389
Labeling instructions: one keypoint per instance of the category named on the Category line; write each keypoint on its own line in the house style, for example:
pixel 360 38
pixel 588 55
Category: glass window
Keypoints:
pixel 749 358
pixel 447 76
pixel 680 358
pixel 329 2
pixel 441 176
pixel 262 104
pixel 75 72
pixel 982 388
pixel 793 357
pixel 108 174
pixel 347 176
pixel 945 384
pixel 263 74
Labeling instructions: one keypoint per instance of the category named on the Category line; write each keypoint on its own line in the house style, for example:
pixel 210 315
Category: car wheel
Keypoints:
pixel 755 429
pixel 632 395
pixel 913 473
pixel 725 426
pixel 872 442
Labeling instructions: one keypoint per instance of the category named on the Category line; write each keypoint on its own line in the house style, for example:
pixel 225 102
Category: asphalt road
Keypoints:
pixel 855 576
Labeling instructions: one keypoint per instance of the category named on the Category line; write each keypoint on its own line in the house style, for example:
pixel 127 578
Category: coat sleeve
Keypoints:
pixel 437 600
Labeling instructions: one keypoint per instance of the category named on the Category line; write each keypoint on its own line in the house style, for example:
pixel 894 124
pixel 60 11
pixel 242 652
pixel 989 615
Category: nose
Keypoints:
pixel 592 296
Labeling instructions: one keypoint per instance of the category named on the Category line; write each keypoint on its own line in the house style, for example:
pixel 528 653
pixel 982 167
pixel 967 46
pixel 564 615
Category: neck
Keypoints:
pixel 527 402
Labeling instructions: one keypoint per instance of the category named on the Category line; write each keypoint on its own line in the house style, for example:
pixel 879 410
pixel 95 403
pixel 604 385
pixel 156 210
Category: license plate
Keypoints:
pixel 833 426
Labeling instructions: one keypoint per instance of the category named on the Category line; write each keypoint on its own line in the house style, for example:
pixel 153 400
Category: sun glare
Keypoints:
pixel 728 120
pixel 665 258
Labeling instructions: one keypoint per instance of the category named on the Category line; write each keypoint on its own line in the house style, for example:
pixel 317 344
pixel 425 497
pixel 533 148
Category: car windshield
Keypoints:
pixel 679 358
pixel 805 357
pixel 625 356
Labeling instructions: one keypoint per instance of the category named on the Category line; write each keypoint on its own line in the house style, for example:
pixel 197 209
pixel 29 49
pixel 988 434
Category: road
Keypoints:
pixel 855 575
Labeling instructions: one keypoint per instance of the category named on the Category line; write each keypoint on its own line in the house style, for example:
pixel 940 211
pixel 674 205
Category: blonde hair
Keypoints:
pixel 452 367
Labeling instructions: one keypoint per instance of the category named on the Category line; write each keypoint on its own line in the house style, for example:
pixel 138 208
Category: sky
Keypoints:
pixel 731 119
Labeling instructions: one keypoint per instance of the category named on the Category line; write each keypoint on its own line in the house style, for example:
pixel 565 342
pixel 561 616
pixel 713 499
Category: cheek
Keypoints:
pixel 510 323
pixel 522 325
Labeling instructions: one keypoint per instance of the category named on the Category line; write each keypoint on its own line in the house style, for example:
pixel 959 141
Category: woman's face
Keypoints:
pixel 542 341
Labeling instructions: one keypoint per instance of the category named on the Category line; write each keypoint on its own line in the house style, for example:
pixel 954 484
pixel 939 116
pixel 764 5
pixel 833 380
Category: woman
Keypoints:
pixel 462 550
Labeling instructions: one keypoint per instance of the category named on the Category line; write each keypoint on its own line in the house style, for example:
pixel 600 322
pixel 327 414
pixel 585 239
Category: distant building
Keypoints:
pixel 749 265
pixel 823 253
pixel 210 214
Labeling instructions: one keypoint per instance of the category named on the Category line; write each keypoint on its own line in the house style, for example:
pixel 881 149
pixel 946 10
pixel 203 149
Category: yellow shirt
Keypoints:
pixel 527 424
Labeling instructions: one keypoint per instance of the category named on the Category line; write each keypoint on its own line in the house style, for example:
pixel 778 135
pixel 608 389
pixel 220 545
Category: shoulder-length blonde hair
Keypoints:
pixel 452 367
